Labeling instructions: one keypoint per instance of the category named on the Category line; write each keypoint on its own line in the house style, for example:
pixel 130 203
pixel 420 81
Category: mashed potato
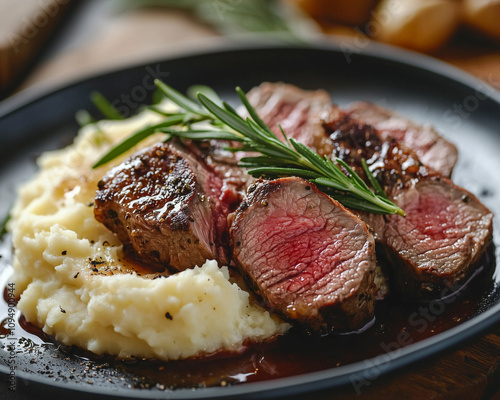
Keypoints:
pixel 74 282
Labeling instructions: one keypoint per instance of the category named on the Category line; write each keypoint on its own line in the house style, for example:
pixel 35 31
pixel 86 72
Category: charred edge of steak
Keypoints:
pixel 391 163
pixel 431 148
pixel 154 201
pixel 290 242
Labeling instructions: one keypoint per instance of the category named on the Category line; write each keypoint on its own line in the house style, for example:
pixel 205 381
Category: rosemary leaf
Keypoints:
pixel 104 106
pixel 335 184
pixel 312 158
pixel 136 138
pixel 277 171
pixel 229 108
pixel 267 18
pixel 204 134
pixel 252 113
pixel 270 139
pixel 357 181
pixel 237 123
pixel 259 160
pixel 235 149
pixel 358 204
pixel 287 141
pixel 179 99
pixel 375 185
pixel 206 90
pixel 277 154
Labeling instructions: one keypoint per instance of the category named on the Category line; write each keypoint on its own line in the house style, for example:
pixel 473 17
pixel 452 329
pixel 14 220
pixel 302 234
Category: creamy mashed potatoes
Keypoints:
pixel 74 282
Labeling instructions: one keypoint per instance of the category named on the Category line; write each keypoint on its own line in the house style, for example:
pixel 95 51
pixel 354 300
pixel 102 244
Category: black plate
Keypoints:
pixel 464 109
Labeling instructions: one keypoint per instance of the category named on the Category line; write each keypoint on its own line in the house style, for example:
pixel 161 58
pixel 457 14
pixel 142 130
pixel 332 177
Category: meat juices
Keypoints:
pixel 309 258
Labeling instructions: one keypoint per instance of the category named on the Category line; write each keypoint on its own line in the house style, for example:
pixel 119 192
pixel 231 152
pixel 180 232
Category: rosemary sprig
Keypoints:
pixel 104 106
pixel 275 19
pixel 277 158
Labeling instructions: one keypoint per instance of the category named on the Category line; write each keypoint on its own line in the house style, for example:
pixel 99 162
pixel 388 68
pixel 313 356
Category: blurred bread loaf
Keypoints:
pixel 423 25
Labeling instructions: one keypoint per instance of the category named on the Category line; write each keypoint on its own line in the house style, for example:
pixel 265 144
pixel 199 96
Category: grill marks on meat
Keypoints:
pixel 309 258
pixel 431 148
pixel 167 208
pixel 446 230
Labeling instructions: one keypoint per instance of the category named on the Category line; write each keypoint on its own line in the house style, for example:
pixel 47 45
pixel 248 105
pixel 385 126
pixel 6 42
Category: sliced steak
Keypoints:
pixel 310 259
pixel 446 229
pixel 299 112
pixel 222 163
pixel 167 208
pixel 442 238
pixel 431 148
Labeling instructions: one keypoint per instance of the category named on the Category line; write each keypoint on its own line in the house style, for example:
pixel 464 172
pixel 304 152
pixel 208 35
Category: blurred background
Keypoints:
pixel 51 42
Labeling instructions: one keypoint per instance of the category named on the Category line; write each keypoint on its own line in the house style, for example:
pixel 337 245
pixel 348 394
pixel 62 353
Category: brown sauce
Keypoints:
pixel 396 325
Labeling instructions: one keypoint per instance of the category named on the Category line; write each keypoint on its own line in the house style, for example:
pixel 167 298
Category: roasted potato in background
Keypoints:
pixel 483 15
pixel 422 25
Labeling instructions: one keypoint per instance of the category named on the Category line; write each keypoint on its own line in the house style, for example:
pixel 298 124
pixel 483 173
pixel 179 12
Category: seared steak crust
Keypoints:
pixel 393 165
pixel 431 148
pixel 166 207
pixel 446 229
pixel 310 259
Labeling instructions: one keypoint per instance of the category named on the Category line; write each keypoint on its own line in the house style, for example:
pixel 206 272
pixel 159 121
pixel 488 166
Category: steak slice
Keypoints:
pixel 309 258
pixel 223 163
pixel 299 112
pixel 441 240
pixel 446 229
pixel 167 208
pixel 431 148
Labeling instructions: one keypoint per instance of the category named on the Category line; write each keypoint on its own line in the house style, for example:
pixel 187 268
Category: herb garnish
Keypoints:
pixel 278 20
pixel 3 225
pixel 278 158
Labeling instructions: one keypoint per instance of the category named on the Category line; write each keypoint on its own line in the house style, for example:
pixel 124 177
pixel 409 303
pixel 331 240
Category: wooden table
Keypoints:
pixel 96 39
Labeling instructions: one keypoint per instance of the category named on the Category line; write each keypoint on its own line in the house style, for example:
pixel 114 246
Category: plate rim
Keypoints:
pixel 213 45
pixel 312 381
